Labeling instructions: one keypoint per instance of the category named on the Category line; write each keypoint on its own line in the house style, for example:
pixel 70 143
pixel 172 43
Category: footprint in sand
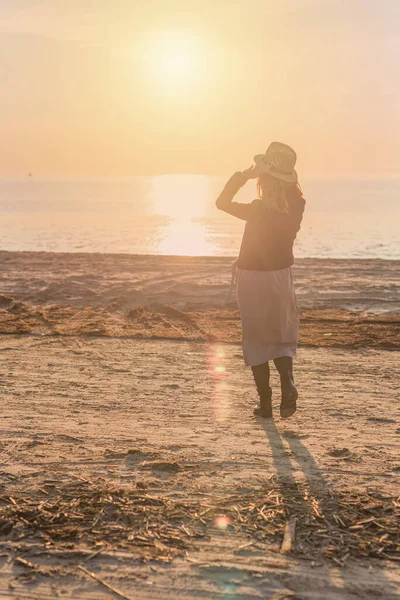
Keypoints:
pixel 67 438
pixel 340 453
pixel 133 455
pixel 162 466
pixel 293 434
pixel 6 302
pixel 341 415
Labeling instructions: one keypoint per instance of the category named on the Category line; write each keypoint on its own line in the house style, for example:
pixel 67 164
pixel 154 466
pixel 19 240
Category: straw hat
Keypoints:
pixel 278 161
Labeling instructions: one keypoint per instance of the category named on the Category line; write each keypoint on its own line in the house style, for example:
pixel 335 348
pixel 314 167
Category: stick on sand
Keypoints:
pixel 289 536
pixel 107 585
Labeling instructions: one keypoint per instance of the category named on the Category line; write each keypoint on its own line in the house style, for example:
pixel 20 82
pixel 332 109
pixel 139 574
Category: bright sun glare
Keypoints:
pixel 176 60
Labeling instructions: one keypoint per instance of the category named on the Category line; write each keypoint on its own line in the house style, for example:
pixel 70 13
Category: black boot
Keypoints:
pixel 284 365
pixel 261 377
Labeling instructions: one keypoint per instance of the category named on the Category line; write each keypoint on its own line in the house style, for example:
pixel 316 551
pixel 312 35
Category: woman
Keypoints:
pixel 265 292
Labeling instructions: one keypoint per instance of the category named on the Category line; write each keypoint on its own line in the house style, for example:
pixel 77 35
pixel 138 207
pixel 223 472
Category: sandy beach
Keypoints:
pixel 132 465
pixel 344 303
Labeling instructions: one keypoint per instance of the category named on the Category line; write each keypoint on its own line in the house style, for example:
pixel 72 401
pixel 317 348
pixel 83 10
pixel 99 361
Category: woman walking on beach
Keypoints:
pixel 265 291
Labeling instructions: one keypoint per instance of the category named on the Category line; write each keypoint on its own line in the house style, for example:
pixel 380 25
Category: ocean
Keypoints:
pixel 176 214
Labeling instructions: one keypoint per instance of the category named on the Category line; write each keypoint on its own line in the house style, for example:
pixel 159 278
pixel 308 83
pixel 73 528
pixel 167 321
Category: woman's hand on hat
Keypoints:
pixel 250 173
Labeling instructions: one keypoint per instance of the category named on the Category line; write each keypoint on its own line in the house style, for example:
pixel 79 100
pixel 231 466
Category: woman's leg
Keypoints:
pixel 284 365
pixel 261 378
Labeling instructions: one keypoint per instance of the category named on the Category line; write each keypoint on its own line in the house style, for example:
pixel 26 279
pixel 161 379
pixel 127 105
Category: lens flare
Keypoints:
pixel 222 522
pixel 221 398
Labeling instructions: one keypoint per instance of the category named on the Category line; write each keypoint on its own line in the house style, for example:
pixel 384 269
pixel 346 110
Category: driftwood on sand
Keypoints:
pixel 336 526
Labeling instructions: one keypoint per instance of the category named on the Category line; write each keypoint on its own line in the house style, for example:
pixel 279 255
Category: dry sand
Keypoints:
pixel 120 448
pixel 344 303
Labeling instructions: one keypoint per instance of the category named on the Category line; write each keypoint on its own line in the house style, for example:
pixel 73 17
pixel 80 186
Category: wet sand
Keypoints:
pixel 124 390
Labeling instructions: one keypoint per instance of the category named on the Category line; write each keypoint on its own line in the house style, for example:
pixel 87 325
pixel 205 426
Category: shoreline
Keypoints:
pixel 225 257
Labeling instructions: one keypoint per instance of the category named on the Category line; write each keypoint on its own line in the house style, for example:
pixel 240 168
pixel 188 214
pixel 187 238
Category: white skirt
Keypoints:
pixel 269 313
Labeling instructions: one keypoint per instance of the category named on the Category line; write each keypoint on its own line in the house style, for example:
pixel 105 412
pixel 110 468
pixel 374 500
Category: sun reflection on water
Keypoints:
pixel 182 198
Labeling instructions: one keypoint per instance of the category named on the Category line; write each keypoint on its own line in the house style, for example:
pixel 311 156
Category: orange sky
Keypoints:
pixel 168 86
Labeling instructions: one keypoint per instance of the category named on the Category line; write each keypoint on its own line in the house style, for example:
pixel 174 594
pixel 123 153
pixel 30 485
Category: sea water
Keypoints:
pixel 176 214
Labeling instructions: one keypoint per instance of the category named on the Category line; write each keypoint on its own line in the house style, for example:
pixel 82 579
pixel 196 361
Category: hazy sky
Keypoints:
pixel 119 87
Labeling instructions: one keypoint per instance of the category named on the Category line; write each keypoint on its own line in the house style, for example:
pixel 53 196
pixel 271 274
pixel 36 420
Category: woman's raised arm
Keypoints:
pixel 224 200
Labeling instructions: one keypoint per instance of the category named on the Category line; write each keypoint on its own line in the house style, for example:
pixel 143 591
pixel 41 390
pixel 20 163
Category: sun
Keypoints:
pixel 175 60
pixel 175 64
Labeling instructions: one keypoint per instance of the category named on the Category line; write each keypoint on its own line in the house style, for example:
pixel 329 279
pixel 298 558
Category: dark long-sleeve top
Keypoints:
pixel 268 238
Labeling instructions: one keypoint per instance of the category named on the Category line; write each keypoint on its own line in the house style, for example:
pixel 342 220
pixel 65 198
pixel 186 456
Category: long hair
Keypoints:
pixel 277 194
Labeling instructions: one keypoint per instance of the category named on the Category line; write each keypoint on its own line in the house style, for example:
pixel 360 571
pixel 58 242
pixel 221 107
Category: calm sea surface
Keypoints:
pixel 175 214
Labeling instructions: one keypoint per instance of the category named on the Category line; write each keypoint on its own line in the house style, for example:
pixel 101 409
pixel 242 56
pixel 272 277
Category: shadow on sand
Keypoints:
pixel 319 493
